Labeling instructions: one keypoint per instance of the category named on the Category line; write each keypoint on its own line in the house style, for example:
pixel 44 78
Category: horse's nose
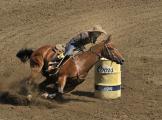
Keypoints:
pixel 122 60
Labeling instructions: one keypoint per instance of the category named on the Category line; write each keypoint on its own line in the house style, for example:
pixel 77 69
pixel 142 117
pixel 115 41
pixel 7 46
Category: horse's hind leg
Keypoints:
pixel 36 65
pixel 72 85
pixel 31 79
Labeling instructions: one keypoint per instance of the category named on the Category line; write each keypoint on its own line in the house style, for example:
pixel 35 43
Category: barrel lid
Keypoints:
pixel 103 58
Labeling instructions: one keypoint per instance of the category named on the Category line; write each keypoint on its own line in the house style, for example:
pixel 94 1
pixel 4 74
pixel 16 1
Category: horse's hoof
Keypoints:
pixel 52 96
pixel 59 97
pixel 45 95
pixel 48 96
pixel 29 98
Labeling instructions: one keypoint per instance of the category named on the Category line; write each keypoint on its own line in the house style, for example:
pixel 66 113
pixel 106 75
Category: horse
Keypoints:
pixel 76 68
pixel 39 59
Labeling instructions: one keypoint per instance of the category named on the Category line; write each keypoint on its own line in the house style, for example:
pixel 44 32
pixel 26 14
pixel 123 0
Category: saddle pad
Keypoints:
pixel 60 47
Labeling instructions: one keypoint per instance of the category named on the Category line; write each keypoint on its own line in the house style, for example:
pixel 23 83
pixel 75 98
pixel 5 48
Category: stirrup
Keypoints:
pixel 58 65
pixel 52 63
pixel 54 74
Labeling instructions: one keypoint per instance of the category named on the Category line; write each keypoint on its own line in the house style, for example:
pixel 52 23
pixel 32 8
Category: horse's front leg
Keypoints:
pixel 61 85
pixel 48 92
pixel 43 86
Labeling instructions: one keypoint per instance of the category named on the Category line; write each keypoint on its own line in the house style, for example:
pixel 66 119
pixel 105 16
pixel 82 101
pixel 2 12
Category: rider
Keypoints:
pixel 80 40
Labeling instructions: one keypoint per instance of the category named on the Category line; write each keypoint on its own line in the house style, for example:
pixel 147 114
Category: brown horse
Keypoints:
pixel 76 68
pixel 39 59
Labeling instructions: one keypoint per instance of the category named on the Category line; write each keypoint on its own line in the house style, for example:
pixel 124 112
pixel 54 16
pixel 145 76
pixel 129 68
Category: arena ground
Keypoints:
pixel 136 27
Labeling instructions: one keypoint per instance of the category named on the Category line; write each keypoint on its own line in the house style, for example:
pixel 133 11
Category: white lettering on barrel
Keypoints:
pixel 108 89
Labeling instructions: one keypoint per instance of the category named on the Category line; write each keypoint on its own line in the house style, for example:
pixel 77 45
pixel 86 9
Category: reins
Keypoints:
pixel 73 58
pixel 99 54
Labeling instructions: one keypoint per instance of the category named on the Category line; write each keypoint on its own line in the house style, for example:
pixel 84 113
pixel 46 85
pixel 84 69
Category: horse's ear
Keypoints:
pixel 108 38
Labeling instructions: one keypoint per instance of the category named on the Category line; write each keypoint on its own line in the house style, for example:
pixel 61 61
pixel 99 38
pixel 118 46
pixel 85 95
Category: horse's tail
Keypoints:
pixel 24 54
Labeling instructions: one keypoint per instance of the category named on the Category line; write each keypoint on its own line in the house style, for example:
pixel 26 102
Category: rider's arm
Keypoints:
pixel 80 39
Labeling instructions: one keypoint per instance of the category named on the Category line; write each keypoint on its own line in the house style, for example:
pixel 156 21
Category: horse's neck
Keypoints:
pixel 86 61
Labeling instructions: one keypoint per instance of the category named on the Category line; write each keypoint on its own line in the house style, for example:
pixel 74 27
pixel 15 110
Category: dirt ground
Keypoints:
pixel 136 27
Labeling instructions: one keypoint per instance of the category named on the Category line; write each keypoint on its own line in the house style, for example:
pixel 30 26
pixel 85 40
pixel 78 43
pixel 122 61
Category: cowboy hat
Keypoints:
pixel 98 28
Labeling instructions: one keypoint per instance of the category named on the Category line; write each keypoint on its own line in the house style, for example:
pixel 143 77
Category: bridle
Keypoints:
pixel 97 54
pixel 100 54
pixel 106 51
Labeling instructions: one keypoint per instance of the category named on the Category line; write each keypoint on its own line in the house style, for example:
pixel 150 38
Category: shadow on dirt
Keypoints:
pixel 66 100
pixel 15 94
pixel 13 99
pixel 83 93
pixel 20 100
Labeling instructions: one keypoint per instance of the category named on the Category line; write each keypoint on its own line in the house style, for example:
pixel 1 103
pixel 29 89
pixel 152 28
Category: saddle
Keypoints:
pixel 60 59
pixel 55 66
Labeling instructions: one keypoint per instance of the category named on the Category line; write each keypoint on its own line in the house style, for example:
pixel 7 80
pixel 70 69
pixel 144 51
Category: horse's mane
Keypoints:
pixel 102 43
pixel 106 51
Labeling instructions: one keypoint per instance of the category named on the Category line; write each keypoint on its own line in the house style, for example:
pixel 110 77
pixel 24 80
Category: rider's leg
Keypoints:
pixel 55 65
pixel 69 50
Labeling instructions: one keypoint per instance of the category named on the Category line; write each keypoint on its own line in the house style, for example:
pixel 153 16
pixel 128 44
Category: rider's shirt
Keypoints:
pixel 80 39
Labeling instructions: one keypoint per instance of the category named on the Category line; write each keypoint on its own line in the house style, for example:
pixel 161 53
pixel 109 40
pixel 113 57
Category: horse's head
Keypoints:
pixel 110 52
